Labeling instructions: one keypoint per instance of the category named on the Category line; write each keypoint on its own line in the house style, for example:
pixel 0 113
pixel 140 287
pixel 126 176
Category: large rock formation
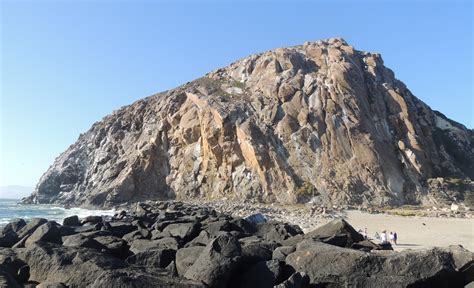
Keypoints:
pixel 321 120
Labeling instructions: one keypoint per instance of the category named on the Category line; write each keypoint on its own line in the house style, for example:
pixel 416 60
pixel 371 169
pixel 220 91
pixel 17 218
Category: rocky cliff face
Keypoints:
pixel 321 120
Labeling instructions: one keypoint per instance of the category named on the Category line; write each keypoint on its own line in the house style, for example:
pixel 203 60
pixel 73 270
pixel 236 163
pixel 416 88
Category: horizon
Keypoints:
pixel 62 75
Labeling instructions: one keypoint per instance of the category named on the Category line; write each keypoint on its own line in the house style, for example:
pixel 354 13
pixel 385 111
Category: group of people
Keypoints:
pixel 383 236
pixel 387 238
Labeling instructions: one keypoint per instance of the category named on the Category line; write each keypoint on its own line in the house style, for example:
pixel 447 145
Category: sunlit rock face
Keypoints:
pixel 319 121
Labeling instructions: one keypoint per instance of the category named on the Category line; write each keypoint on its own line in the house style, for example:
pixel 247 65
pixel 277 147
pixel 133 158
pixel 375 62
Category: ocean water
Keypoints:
pixel 9 209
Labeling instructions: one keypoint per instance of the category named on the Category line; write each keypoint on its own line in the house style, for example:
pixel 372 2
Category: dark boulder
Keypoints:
pixel 334 266
pixel 141 245
pixel 13 226
pixel 30 227
pixel 281 252
pixel 8 239
pixel 255 249
pixel 134 235
pixel 81 240
pixel 6 279
pixel 276 231
pixel 263 274
pixel 91 220
pixel 337 232
pixel 185 258
pixel 73 266
pixel 201 240
pixel 159 258
pixel 184 231
pixel 117 247
pixel 217 262
pixel 71 221
pixel 296 280
pixel 48 232
pixel 119 229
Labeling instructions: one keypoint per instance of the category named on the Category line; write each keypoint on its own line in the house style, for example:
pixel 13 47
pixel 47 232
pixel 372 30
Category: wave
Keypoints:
pixel 11 209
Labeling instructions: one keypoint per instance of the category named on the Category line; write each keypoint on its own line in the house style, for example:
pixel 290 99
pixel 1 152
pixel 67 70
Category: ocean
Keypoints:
pixel 9 209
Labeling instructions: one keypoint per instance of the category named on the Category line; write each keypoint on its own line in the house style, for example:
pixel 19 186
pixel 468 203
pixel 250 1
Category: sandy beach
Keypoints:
pixel 412 233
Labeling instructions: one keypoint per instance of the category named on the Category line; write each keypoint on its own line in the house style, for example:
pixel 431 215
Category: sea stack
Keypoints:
pixel 320 121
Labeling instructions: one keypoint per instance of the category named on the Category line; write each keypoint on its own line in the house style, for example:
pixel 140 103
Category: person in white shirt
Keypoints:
pixel 383 237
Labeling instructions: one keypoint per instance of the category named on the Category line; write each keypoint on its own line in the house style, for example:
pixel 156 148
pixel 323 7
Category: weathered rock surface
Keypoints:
pixel 320 120
pixel 226 251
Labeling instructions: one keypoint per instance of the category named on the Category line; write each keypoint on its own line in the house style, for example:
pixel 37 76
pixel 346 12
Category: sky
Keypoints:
pixel 66 64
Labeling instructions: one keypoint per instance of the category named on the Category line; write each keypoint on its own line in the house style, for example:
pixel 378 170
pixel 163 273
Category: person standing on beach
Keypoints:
pixel 383 237
pixel 395 236
pixel 390 237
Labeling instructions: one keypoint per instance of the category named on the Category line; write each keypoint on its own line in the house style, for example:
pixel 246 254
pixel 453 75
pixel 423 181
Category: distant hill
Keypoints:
pixel 15 191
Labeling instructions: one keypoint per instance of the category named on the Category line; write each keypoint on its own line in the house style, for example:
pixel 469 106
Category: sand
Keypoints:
pixel 412 234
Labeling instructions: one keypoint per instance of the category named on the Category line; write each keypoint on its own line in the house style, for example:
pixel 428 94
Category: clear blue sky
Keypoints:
pixel 66 65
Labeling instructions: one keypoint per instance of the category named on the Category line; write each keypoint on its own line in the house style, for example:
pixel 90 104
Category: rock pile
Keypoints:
pixel 175 244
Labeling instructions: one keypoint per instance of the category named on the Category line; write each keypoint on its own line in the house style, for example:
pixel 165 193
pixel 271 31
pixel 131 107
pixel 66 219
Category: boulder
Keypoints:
pixel 263 274
pixel 81 240
pixel 185 258
pixel 73 266
pixel 281 252
pixel 276 231
pixel 134 235
pixel 255 249
pixel 119 229
pixel 140 245
pixel 115 246
pixel 201 240
pixel 71 221
pixel 7 280
pixel 91 220
pixel 159 258
pixel 13 226
pixel 296 280
pixel 184 231
pixel 8 239
pixel 335 266
pixel 217 262
pixel 30 227
pixel 337 232
pixel 48 232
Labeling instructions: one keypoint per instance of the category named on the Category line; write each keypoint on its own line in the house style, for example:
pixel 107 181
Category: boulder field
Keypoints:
pixel 173 244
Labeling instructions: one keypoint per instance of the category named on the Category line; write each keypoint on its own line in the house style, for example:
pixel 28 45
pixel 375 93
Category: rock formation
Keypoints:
pixel 319 121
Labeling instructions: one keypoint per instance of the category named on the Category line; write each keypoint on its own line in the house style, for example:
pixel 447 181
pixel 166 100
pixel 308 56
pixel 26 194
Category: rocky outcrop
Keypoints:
pixel 320 121
pixel 238 255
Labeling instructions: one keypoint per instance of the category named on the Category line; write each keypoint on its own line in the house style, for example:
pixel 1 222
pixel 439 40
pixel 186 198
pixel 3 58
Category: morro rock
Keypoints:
pixel 320 121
